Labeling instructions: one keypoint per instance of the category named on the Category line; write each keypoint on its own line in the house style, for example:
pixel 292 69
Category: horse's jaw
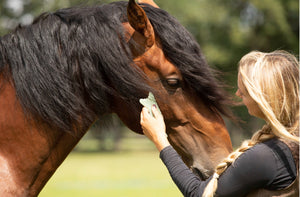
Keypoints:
pixel 198 150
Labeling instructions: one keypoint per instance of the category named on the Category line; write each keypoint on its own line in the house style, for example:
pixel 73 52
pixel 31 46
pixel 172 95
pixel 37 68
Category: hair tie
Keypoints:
pixel 216 176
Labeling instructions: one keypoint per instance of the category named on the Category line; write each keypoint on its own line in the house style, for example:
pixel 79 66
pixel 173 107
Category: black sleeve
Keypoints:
pixel 253 169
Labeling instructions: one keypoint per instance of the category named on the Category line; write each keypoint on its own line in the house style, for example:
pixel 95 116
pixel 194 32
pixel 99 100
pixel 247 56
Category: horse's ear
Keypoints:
pixel 139 21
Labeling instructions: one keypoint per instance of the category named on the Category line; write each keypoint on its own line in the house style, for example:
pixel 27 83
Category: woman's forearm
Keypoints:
pixel 188 183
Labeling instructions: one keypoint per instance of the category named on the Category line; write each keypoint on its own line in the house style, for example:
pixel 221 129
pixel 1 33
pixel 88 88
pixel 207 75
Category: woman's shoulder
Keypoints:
pixel 261 156
pixel 277 155
pixel 265 149
pixel 266 158
pixel 253 169
pixel 274 145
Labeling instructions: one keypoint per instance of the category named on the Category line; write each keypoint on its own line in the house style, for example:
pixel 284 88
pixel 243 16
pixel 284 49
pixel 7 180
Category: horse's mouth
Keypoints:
pixel 203 174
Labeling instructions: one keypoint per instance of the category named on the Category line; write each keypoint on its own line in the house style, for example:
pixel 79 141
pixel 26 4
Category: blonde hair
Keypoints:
pixel 272 81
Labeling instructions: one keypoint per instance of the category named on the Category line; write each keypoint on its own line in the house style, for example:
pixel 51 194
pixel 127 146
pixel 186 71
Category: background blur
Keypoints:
pixel 113 161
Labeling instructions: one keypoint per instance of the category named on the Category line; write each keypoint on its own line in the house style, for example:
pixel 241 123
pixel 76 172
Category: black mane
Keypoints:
pixel 67 64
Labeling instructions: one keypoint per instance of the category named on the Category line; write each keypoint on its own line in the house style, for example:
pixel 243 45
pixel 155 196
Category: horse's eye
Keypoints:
pixel 173 82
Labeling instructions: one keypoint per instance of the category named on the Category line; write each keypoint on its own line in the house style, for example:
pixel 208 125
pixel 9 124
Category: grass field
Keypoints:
pixel 120 174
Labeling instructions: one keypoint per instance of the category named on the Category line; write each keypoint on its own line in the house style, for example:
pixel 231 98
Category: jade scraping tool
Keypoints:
pixel 148 102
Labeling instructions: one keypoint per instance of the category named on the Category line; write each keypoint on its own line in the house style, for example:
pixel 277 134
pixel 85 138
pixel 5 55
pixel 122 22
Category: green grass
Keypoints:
pixel 121 174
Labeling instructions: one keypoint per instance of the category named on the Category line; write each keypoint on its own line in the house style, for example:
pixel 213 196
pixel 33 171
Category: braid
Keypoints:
pixel 258 137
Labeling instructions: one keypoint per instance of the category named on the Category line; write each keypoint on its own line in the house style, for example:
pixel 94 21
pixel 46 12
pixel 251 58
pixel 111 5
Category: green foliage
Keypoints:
pixel 15 12
pixel 227 30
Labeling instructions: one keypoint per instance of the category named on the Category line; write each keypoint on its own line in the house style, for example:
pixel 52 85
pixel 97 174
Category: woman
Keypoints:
pixel 266 165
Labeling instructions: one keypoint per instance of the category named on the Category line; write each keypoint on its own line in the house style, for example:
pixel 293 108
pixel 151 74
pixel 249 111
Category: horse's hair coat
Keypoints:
pixel 67 65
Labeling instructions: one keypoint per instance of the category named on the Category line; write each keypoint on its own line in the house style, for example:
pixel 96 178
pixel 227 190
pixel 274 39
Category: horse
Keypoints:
pixel 69 67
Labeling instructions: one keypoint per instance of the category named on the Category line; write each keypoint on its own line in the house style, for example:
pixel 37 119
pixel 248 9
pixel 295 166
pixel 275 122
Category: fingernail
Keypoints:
pixel 154 105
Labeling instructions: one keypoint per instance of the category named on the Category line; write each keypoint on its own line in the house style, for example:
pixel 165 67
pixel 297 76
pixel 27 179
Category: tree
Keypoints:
pixel 15 12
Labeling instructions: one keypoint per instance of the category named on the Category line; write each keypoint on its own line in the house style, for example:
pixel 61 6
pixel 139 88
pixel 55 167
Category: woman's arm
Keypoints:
pixel 254 169
pixel 188 183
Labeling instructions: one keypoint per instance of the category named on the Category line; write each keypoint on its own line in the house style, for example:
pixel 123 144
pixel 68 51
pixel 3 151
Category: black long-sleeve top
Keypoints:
pixel 269 165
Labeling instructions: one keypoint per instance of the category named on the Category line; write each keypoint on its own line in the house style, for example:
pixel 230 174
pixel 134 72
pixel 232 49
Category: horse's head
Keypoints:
pixel 187 94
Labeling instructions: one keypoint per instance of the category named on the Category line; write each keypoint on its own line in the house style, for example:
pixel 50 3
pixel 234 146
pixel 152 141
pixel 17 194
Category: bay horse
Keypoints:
pixel 66 69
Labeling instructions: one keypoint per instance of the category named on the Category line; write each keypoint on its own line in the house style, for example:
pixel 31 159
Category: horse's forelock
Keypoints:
pixel 184 52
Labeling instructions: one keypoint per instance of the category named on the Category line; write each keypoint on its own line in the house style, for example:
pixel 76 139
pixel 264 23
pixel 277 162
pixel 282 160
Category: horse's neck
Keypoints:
pixel 28 155
pixel 64 145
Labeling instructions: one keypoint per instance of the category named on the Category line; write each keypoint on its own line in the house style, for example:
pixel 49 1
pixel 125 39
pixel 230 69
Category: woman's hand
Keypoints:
pixel 154 127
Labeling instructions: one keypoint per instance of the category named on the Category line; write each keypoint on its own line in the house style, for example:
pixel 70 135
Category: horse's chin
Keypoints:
pixel 139 131
pixel 136 128
pixel 201 173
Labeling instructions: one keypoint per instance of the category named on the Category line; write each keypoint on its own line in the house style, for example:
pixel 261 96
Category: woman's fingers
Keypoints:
pixel 156 113
pixel 154 127
pixel 145 117
pixel 144 113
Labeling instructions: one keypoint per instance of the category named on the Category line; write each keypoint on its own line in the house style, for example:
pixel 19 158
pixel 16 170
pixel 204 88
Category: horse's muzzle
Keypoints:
pixel 201 172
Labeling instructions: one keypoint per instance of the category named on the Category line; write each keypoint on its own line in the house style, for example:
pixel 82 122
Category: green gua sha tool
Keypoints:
pixel 149 102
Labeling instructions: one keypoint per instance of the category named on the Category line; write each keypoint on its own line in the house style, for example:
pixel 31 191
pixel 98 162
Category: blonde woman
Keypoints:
pixel 265 165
